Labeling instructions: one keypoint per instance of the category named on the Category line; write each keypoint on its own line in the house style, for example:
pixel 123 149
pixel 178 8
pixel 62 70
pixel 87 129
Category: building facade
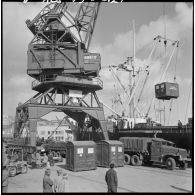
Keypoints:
pixel 45 129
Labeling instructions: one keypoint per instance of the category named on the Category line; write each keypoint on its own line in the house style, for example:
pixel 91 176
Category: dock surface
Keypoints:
pixel 131 179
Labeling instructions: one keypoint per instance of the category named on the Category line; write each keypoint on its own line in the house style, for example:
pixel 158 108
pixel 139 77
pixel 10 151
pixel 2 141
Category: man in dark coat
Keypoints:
pixel 111 179
pixel 47 182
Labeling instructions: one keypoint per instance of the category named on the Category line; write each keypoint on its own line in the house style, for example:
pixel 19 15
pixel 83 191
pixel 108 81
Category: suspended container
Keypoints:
pixel 81 155
pixel 110 151
pixel 166 90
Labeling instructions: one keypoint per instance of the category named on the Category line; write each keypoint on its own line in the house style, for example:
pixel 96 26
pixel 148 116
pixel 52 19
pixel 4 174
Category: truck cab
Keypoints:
pixel 165 152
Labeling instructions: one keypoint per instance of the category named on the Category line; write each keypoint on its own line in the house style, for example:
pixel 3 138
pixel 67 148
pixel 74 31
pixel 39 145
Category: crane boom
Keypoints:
pixel 81 26
pixel 85 21
pixel 40 20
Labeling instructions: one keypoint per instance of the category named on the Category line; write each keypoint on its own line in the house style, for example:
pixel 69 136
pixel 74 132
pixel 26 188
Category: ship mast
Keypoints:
pixel 132 78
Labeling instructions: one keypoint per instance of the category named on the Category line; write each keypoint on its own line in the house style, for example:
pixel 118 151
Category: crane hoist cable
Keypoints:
pixel 161 78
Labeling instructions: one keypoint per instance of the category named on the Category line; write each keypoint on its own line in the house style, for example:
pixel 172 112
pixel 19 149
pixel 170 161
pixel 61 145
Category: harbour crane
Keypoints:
pixel 63 68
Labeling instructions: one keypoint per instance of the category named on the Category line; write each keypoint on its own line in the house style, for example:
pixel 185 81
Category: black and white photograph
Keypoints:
pixel 97 97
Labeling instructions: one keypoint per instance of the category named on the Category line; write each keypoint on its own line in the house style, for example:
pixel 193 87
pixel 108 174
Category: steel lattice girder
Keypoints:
pixel 36 111
pixel 78 113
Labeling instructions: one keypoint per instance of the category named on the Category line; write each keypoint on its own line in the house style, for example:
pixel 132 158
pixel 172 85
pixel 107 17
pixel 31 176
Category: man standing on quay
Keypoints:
pixel 111 179
pixel 47 182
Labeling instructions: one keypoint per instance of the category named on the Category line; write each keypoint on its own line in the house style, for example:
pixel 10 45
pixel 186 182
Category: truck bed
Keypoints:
pixel 137 144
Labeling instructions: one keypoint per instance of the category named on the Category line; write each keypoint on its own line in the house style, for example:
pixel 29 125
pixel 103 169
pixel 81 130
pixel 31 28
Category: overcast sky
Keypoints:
pixel 113 40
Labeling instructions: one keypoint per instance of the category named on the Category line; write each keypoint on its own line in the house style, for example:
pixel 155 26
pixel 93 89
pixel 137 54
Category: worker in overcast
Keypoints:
pixel 47 181
pixel 111 179
pixel 57 180
pixel 64 184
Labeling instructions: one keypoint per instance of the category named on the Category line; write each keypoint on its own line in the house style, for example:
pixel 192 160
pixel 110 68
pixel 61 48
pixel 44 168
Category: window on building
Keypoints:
pixel 62 138
pixel 48 132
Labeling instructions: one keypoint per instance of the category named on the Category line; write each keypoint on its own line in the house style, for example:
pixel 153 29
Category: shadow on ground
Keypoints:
pixel 181 189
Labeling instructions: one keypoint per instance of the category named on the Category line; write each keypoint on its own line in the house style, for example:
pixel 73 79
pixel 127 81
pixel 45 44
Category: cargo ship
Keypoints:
pixel 181 136
pixel 131 122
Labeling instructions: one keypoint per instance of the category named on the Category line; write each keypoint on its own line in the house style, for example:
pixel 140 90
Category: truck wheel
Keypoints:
pixel 135 160
pixel 183 165
pixel 24 169
pixel 127 159
pixel 12 171
pixel 170 163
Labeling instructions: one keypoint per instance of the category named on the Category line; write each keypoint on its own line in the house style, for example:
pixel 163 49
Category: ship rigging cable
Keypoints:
pixel 175 44
pixel 56 128
pixel 161 55
pixel 164 18
pixel 174 80
pixel 142 89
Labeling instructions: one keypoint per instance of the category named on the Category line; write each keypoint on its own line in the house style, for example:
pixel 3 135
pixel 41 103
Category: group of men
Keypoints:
pixel 59 184
pixel 39 161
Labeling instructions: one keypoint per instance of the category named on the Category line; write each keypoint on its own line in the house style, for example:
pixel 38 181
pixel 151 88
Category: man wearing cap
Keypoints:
pixel 111 179
pixel 57 180
pixel 47 182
